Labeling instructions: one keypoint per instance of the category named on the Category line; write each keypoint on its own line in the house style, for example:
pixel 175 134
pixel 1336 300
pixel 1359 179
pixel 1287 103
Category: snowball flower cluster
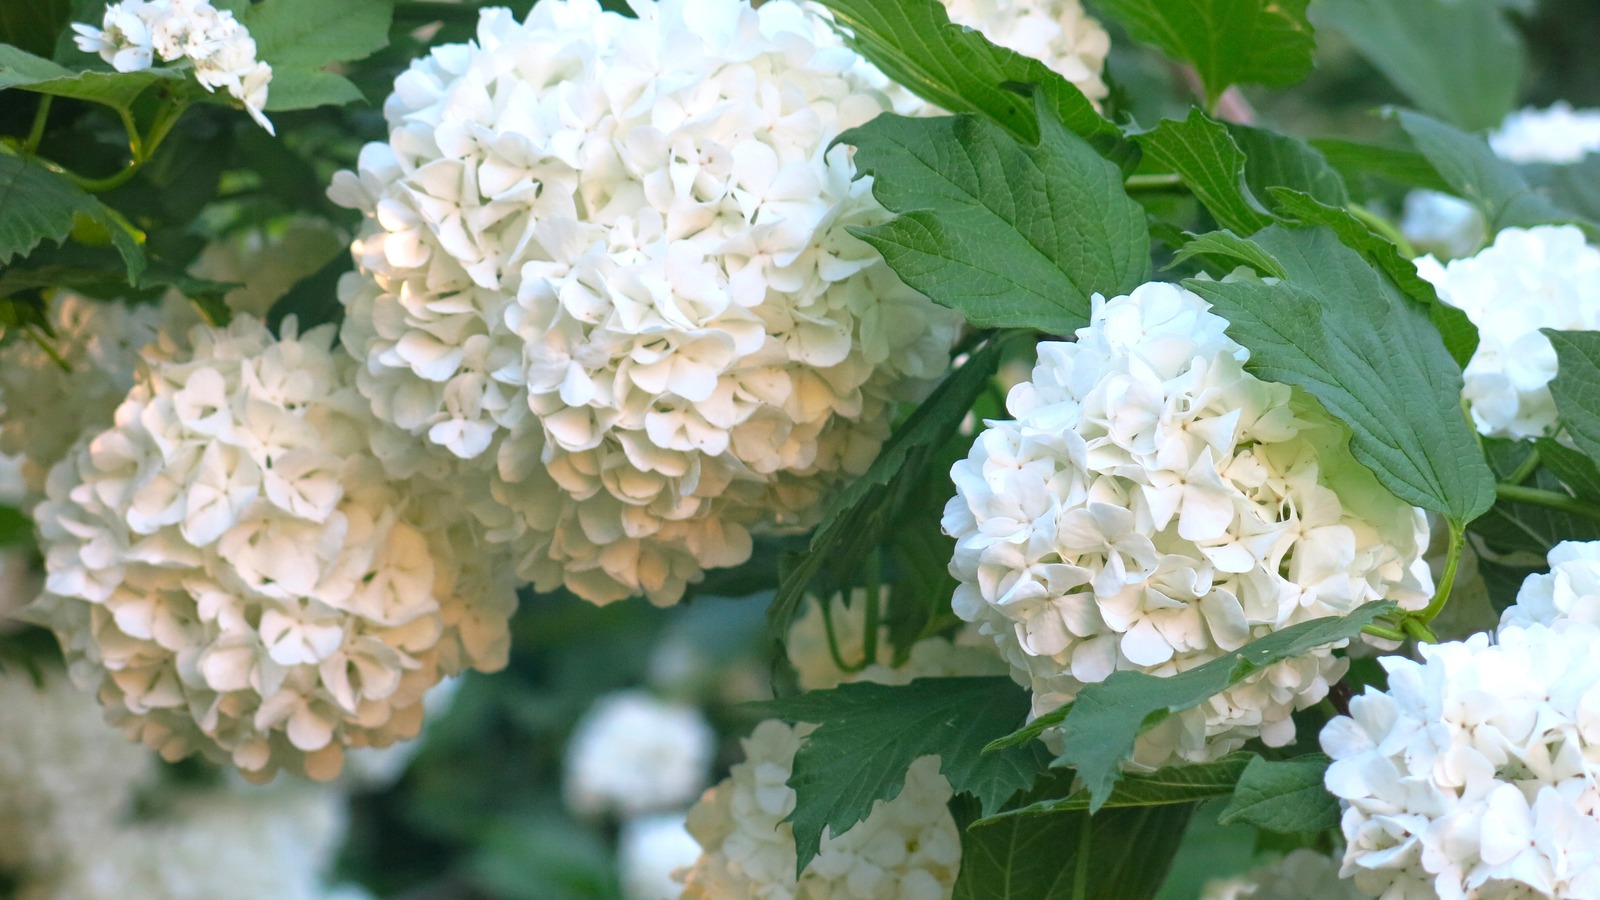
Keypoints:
pixel 1570 591
pixel 221 50
pixel 651 849
pixel 634 754
pixel 906 849
pixel 1153 507
pixel 965 653
pixel 607 259
pixel 1558 135
pixel 231 570
pixel 1057 32
pixel 1300 875
pixel 1528 279
pixel 1475 774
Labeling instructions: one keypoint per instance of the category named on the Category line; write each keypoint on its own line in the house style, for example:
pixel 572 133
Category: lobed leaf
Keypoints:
pixel 1285 796
pixel 38 205
pixel 1121 854
pixel 1174 784
pixel 1576 387
pixel 1206 157
pixel 1473 172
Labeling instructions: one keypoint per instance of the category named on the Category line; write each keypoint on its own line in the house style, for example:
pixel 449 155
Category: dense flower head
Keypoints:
pixel 133 32
pixel 965 653
pixel 1057 32
pixel 650 850
pixel 607 259
pixel 1528 279
pixel 1475 773
pixel 1298 875
pixel 906 849
pixel 634 754
pixel 1570 591
pixel 1153 506
pixel 231 569
pixel 1558 135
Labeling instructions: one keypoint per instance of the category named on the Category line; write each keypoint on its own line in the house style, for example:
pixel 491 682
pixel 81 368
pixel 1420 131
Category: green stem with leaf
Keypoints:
pixel 1566 503
pixel 1384 227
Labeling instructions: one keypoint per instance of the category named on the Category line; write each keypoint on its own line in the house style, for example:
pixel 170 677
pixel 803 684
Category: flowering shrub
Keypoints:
pixel 808 449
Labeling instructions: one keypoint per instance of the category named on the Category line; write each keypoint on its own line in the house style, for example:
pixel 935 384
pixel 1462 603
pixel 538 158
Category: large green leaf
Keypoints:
pixel 38 205
pixel 1398 164
pixel 1229 42
pixel 1174 784
pixel 1277 161
pixel 1208 159
pixel 1121 854
pixel 118 90
pixel 313 33
pixel 1576 387
pixel 1013 236
pixel 1100 726
pixel 957 69
pixel 869 734
pixel 1457 59
pixel 1473 172
pixel 1229 250
pixel 1342 331
pixel 1284 795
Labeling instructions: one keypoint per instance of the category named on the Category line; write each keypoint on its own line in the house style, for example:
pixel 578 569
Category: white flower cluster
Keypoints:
pixel 1300 875
pixel 966 653
pixel 906 849
pixel 54 396
pixel 607 258
pixel 221 50
pixel 1544 277
pixel 1057 32
pixel 634 754
pixel 1476 774
pixel 231 570
pixel 651 849
pixel 1153 507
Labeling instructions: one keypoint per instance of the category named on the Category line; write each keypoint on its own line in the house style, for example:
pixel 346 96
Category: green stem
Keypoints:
pixel 1080 875
pixel 1388 634
pixel 36 133
pixel 1526 469
pixel 1458 538
pixel 833 642
pixel 1417 630
pixel 108 183
pixel 1153 183
pixel 1384 227
pixel 1516 493
pixel 869 640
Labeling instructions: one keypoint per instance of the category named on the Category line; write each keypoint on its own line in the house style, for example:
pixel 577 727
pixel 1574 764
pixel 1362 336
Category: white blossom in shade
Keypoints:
pixel 1475 774
pixel 1153 506
pixel 965 653
pixel 651 849
pixel 1528 279
pixel 217 47
pixel 1443 226
pixel 1570 591
pixel 232 571
pixel 621 281
pixel 633 754
pixel 1056 32
pixel 266 264
pixel 906 849
pixel 1299 875
pixel 52 397
pixel 1558 135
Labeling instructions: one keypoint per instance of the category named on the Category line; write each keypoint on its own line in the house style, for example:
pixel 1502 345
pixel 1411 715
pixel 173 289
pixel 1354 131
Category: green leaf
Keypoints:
pixel 1284 795
pixel 1344 332
pixel 1208 159
pixel 1010 235
pixel 1267 42
pixel 1459 334
pixel 1510 527
pixel 1278 161
pixel 37 205
pixel 956 68
pixel 1457 59
pixel 118 90
pixel 34 25
pixel 314 299
pixel 869 734
pixel 858 518
pixel 309 34
pixel 1100 726
pixel 1229 247
pixel 1401 165
pixel 1576 387
pixel 1576 471
pixel 1121 854
pixel 1174 784
pixel 1575 186
pixel 308 88
pixel 16 528
pixel 1473 172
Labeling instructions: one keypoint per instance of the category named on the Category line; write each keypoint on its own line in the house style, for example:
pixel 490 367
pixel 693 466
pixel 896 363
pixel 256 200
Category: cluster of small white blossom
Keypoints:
pixel 1057 32
pixel 619 279
pixel 906 849
pixel 231 569
pixel 1570 591
pixel 651 849
pixel 134 32
pixel 965 653
pixel 1153 507
pixel 1544 277
pixel 1299 875
pixel 633 754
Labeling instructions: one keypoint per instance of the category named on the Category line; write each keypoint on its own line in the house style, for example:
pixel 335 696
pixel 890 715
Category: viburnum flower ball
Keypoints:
pixel 606 260
pixel 1057 32
pixel 231 570
pixel 1153 506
